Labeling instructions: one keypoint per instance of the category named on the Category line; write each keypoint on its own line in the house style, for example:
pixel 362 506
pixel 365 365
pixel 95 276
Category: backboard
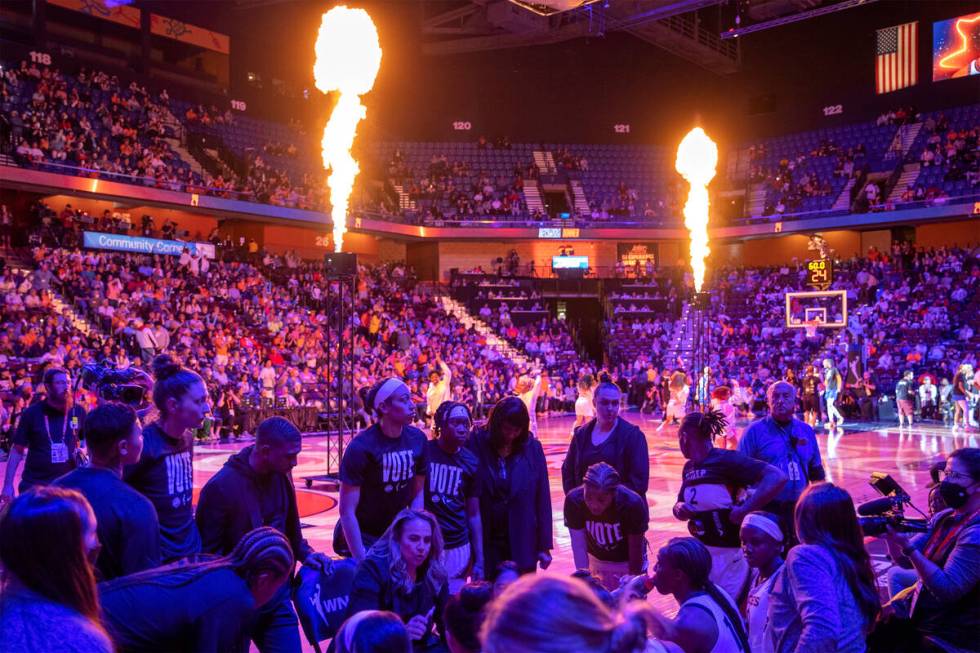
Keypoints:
pixel 824 308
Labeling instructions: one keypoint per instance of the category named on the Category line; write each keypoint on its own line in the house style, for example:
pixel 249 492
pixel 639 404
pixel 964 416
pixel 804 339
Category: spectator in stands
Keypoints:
pixel 439 388
pixel 402 573
pixel 452 494
pixel 255 489
pixel 382 471
pixel 515 500
pixel 48 432
pixel 201 606
pixel 607 438
pixel 49 600
pixel 606 522
pixel 940 611
pixel 712 478
pixel 827 598
pixel 165 471
pixel 788 444
pixel 128 530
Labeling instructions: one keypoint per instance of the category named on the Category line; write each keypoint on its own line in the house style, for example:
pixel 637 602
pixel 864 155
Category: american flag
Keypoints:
pixel 895 63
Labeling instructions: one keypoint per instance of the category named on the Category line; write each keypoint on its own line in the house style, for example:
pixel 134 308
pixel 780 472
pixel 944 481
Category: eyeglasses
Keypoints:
pixel 947 474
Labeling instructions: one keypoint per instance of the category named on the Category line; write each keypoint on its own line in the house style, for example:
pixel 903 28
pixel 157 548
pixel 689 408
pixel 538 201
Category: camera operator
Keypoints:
pixel 47 436
pixel 941 612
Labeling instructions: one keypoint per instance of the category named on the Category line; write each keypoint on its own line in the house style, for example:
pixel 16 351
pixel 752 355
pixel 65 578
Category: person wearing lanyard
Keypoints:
pixel 48 434
pixel 789 444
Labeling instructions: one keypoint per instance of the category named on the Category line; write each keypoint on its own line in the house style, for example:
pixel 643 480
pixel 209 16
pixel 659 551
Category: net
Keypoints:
pixel 810 327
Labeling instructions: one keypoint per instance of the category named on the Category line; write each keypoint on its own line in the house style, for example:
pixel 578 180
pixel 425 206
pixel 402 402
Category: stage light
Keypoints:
pixel 348 56
pixel 697 157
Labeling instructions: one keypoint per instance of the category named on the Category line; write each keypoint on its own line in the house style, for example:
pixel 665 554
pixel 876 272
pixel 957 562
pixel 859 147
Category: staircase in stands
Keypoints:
pixel 532 196
pixel 579 201
pixel 404 201
pixel 910 172
pixel 460 312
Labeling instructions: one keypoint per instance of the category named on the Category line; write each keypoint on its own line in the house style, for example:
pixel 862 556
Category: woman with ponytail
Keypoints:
pixel 827 597
pixel 553 614
pixel 165 471
pixel 708 620
pixel 48 600
pixel 202 606
pixel 712 478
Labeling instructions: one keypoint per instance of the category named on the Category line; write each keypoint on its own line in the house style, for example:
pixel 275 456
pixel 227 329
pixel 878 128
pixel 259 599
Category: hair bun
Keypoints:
pixel 628 636
pixel 164 367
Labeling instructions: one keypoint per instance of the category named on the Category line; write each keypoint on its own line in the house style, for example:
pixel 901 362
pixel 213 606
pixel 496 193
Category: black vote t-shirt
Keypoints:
pixel 606 534
pixel 451 479
pixel 710 487
pixel 383 468
pixel 165 476
pixel 33 429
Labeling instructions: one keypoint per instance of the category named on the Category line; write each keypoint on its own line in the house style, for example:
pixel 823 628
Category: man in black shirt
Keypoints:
pixel 453 496
pixel 382 471
pixel 905 398
pixel 252 490
pixel 606 521
pixel 48 433
pixel 127 522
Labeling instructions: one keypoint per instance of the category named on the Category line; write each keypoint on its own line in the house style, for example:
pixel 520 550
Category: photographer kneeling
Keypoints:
pixel 941 612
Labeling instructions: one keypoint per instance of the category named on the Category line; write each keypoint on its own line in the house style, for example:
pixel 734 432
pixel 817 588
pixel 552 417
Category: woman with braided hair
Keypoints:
pixel 202 606
pixel 712 479
pixel 553 614
pixel 452 493
pixel 708 620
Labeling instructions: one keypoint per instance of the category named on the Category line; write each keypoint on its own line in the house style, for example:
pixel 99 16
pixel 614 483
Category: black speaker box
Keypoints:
pixel 340 264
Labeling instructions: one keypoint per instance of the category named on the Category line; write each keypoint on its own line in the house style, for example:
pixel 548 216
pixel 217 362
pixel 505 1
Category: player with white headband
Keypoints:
pixel 382 471
pixel 762 543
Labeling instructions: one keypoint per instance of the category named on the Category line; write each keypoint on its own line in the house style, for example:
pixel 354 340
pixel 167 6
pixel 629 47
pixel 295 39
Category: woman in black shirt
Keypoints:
pixel 402 574
pixel 165 471
pixel 515 500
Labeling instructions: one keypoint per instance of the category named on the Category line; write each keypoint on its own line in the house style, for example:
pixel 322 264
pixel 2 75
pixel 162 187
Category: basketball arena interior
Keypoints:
pixel 490 325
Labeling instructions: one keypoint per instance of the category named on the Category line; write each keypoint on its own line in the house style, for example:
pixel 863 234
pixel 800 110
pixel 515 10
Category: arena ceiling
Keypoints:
pixel 701 31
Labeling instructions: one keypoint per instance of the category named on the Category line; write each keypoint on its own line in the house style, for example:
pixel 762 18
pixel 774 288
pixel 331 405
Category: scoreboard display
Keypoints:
pixel 820 274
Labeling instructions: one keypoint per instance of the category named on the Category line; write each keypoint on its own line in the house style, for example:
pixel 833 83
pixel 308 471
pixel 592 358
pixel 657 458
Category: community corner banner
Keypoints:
pixel 141 245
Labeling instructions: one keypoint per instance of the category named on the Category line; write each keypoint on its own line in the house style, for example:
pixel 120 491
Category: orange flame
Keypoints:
pixel 348 56
pixel 697 157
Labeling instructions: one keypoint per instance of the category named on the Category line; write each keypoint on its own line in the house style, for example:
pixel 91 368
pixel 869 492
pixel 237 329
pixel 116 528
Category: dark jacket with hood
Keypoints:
pixel 238 499
pixel 625 450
